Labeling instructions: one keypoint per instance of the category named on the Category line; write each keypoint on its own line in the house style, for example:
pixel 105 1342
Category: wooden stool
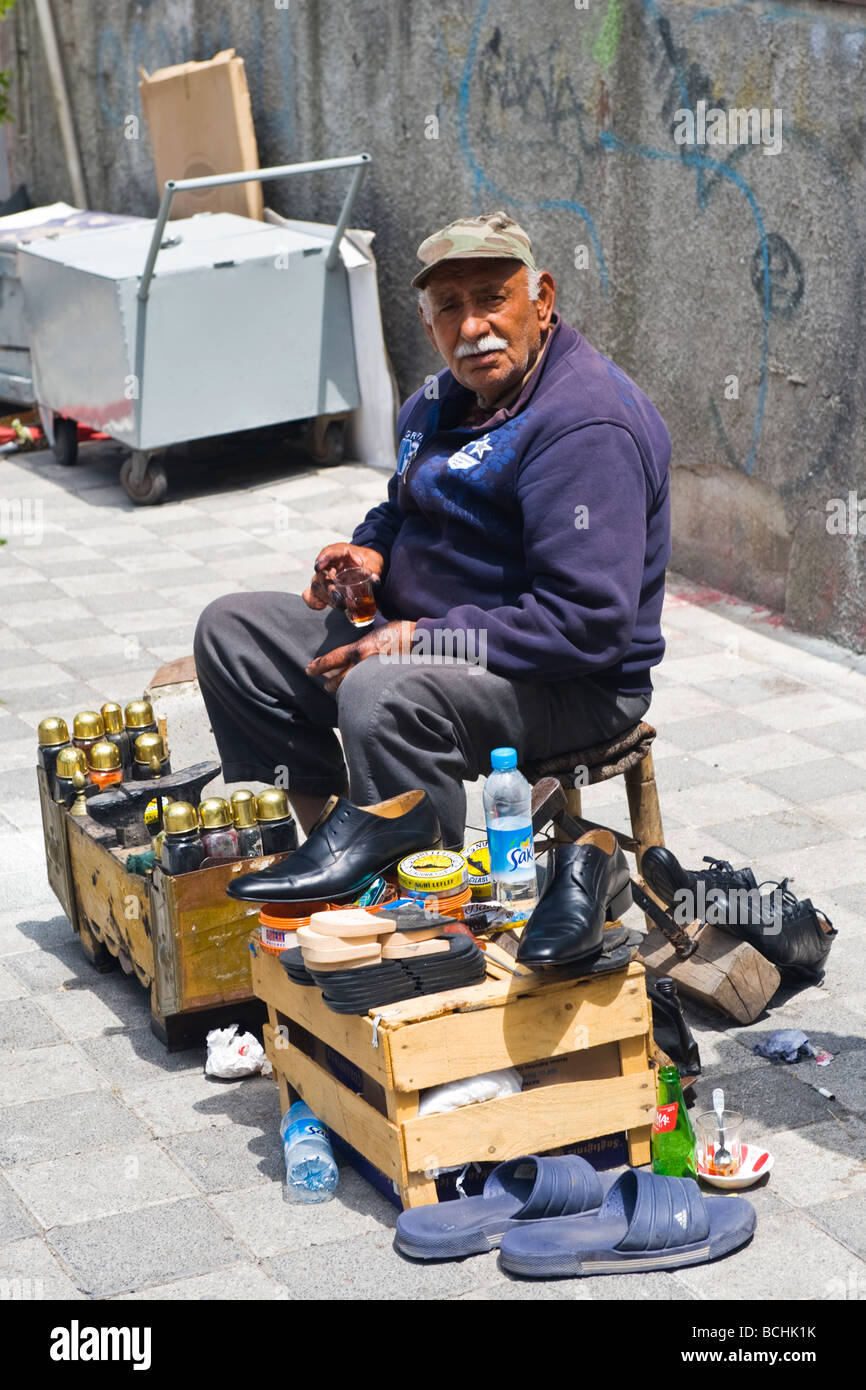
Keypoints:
pixel 628 755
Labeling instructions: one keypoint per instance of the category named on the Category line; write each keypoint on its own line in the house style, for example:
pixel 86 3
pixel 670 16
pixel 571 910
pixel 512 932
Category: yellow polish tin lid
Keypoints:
pixel 433 871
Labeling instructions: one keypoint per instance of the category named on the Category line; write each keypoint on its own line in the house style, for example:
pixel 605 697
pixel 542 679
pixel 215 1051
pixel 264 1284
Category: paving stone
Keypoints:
pixel 46 971
pixel 13 729
pixel 788 1258
pixel 677 704
pixel 10 986
pixel 15 1220
pixel 625 1287
pixel 822 1162
pixel 104 1181
pixel 845 1076
pixel 67 694
pixel 235 1283
pixel 43 1072
pixel 829 1024
pixel 268 1224
pixel 135 1056
pixel 367 1267
pixel 845 1220
pixel 769 1099
pixel 111 1002
pixel 776 832
pixel 806 711
pixel 24 1026
pixel 229 1157
pixel 845 737
pixel 681 773
pixel 823 778
pixel 118 1254
pixel 46 1129
pixel 31 675
pixel 194 1101
pixel 720 726
pixel 19 933
pixel 30 1271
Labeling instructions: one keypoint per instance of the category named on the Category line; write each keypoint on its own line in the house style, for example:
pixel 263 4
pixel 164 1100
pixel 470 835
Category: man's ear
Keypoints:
pixel 546 299
pixel 428 330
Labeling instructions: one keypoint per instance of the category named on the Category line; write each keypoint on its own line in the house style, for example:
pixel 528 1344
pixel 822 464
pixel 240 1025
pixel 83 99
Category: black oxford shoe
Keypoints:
pixel 590 886
pixel 345 851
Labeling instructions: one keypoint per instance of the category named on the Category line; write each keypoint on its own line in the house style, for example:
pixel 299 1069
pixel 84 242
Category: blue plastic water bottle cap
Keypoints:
pixel 501 759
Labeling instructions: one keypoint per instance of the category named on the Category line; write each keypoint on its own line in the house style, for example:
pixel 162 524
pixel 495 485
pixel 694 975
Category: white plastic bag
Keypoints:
pixel 490 1085
pixel 233 1054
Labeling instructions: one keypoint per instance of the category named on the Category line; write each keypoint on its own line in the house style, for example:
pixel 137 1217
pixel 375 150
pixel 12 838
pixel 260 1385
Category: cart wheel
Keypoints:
pixel 150 487
pixel 65 440
pixel 326 442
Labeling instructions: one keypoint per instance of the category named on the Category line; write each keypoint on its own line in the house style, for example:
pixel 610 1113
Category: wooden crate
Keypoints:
pixel 183 937
pixel 597 1030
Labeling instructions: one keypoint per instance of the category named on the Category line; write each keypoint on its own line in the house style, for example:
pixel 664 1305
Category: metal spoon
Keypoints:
pixel 722 1158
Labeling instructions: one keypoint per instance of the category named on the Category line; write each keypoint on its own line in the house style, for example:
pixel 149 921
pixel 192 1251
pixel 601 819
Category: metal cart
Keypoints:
pixel 165 332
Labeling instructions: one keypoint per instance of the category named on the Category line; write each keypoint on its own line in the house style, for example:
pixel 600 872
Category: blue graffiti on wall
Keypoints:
pixel 772 262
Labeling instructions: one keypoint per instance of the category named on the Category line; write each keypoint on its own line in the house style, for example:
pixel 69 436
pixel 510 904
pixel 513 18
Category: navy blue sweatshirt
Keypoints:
pixel 548 526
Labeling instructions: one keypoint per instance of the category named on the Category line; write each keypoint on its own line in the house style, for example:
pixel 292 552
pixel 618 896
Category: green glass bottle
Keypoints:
pixel 674 1148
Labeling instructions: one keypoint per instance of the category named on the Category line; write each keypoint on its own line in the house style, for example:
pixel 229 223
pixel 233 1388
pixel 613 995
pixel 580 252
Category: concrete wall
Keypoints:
pixel 702 264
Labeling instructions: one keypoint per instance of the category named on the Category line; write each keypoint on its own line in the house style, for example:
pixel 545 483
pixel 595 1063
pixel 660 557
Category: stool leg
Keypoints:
pixel 573 807
pixel 643 805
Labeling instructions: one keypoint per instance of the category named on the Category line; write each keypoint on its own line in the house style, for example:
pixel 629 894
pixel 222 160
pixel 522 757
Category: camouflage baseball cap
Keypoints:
pixel 494 234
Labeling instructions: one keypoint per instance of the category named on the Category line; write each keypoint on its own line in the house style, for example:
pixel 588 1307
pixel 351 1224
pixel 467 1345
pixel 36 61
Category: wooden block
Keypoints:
pixel 726 974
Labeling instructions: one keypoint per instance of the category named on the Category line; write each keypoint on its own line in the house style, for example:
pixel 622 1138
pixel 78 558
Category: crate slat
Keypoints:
pixel 522 1027
pixel 530 1122
pixel 349 1034
pixel 338 1107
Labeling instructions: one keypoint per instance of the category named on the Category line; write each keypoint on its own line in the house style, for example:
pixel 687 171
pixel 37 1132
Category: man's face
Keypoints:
pixel 485 304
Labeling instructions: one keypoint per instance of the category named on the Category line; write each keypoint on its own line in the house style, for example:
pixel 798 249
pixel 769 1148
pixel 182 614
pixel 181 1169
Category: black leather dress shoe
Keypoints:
pixel 590 886
pixel 793 935
pixel 345 851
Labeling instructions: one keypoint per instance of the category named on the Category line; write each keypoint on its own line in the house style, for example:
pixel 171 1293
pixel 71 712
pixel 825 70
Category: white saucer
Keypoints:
pixel 745 1175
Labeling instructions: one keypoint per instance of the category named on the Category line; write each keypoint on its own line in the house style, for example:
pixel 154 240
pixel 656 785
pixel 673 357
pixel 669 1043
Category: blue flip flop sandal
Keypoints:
pixel 645 1222
pixel 520 1191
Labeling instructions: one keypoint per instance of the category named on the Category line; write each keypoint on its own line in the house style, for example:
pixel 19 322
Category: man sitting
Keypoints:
pixel 521 556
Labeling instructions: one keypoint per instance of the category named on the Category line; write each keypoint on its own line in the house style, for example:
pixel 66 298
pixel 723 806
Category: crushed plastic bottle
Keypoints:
pixel 311 1172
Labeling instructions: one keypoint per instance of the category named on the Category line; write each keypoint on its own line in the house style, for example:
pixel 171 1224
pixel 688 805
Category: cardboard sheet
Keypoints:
pixel 201 123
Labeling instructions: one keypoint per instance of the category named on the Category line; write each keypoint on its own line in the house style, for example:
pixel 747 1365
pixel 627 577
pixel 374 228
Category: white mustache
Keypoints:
pixel 489 343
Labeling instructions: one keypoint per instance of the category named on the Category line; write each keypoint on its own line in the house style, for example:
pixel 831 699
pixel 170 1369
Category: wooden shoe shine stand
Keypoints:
pixel 584 1047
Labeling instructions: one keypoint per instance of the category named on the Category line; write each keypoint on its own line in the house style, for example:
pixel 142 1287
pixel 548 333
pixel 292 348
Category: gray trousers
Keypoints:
pixel 404 724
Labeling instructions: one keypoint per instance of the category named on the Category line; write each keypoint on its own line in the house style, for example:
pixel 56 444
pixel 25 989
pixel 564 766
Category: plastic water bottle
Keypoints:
pixel 311 1173
pixel 508 813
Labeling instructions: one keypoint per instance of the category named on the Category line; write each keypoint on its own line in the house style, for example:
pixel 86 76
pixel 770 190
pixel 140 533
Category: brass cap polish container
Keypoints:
pixel 218 834
pixel 69 761
pixel 112 718
pixel 87 728
pixel 105 768
pixel 53 735
pixel 149 757
pixel 138 717
pixel 276 822
pixel 182 848
pixel 244 815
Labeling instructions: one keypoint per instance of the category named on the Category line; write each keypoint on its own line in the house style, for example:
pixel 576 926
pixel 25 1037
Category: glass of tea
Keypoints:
pixel 709 1145
pixel 355 587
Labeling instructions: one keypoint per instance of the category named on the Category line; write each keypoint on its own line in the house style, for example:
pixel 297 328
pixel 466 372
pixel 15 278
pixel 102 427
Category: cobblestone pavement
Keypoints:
pixel 126 1172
